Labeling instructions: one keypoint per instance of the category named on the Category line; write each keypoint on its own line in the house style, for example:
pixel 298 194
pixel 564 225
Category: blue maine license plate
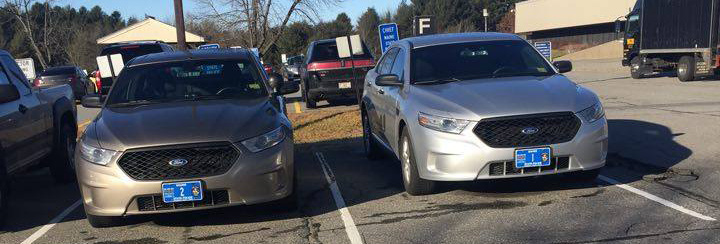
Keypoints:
pixel 182 191
pixel 533 157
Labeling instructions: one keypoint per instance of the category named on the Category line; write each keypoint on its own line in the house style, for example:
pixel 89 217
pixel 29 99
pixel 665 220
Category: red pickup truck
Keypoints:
pixel 326 76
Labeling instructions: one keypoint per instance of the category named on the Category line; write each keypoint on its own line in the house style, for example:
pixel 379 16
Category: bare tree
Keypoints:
pixel 261 21
pixel 20 9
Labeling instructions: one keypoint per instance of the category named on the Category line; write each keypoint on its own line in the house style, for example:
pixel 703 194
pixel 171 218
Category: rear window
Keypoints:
pixel 328 52
pixel 58 71
pixel 129 52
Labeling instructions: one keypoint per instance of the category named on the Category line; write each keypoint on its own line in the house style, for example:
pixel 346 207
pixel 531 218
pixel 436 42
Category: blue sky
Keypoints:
pixel 163 9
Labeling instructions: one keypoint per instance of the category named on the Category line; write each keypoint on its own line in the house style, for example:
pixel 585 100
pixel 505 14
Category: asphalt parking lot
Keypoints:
pixel 660 185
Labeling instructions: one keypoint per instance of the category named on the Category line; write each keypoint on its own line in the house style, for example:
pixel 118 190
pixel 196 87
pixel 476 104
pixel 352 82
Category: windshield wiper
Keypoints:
pixel 133 103
pixel 438 81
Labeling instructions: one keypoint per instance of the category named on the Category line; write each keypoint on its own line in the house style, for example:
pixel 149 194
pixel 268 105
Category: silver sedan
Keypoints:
pixel 463 107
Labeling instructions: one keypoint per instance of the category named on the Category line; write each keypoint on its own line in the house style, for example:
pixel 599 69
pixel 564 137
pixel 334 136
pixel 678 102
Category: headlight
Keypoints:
pixel 265 141
pixel 593 113
pixel 96 155
pixel 443 124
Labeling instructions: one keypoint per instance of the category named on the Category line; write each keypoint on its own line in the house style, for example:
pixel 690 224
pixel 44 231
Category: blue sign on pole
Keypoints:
pixel 545 48
pixel 388 34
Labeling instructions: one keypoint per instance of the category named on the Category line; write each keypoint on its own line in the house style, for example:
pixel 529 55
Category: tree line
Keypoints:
pixel 450 16
pixel 55 35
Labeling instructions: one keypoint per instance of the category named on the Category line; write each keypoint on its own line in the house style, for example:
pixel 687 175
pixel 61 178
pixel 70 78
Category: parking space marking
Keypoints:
pixel 39 233
pixel 655 198
pixel 297 107
pixel 347 219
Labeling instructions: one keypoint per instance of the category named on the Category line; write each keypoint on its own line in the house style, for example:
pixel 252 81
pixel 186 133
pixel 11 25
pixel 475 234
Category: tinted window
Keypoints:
pixel 328 51
pixel 481 59
pixel 132 51
pixel 59 71
pixel 15 74
pixel 4 80
pixel 387 62
pixel 197 80
pixel 399 64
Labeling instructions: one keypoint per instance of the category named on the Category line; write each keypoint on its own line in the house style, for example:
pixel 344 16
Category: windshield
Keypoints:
pixel 482 59
pixel 132 51
pixel 186 80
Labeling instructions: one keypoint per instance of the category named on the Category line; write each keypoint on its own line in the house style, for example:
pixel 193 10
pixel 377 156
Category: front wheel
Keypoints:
pixel 62 164
pixel 636 71
pixel 414 185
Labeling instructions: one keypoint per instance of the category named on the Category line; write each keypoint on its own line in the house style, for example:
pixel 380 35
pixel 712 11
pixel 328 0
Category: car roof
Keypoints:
pixel 134 43
pixel 3 52
pixel 438 39
pixel 195 54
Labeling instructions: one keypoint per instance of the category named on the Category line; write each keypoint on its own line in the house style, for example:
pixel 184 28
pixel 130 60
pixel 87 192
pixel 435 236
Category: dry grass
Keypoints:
pixel 326 126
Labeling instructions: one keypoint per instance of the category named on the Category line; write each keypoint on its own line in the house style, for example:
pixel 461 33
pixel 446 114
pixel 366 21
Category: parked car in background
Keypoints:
pixel 291 69
pixel 73 76
pixel 464 107
pixel 326 76
pixel 35 124
pixel 268 68
pixel 129 51
pixel 186 131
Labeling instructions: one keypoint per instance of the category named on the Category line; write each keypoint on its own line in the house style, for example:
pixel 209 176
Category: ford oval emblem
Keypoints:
pixel 530 130
pixel 178 162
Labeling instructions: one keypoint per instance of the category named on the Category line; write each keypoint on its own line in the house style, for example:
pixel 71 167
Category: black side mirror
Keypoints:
pixel 388 80
pixel 8 93
pixel 563 66
pixel 275 80
pixel 92 101
pixel 288 88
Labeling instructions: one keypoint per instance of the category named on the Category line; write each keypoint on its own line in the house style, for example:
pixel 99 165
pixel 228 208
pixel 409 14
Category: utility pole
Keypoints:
pixel 485 14
pixel 180 25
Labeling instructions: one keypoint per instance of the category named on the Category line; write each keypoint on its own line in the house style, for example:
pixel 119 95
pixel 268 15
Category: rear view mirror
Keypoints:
pixel 8 93
pixel 92 101
pixel 388 80
pixel 563 66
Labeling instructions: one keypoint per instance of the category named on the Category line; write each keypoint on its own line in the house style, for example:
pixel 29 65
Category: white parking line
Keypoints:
pixel 347 219
pixel 39 233
pixel 655 198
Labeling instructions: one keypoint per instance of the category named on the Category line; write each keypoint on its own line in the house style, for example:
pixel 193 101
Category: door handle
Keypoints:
pixel 381 91
pixel 22 109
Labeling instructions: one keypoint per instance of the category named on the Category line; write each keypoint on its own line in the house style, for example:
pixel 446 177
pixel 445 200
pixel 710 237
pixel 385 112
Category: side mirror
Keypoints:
pixel 275 80
pixel 388 80
pixel 8 93
pixel 288 88
pixel 618 26
pixel 92 101
pixel 563 66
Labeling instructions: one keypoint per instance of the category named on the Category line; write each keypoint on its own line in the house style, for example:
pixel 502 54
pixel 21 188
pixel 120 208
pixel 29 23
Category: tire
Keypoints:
pixel 414 185
pixel 585 175
pixel 104 221
pixel 309 103
pixel 636 69
pixel 686 69
pixel 62 164
pixel 372 146
pixel 4 191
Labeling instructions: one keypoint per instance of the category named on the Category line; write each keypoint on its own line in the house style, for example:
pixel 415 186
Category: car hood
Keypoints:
pixel 483 98
pixel 183 122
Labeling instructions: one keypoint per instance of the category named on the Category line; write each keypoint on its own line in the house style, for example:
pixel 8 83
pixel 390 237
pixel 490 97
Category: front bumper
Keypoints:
pixel 449 157
pixel 254 178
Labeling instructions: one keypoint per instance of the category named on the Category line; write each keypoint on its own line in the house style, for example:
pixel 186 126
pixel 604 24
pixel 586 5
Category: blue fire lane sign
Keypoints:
pixel 388 34
pixel 545 48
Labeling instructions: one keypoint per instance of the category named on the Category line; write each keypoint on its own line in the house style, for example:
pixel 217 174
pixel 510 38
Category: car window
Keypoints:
pixel 481 59
pixel 188 80
pixel 399 64
pixel 4 80
pixel 58 71
pixel 387 61
pixel 327 51
pixel 15 75
pixel 129 52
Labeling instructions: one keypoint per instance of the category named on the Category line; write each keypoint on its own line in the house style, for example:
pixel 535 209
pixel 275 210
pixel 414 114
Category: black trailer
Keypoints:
pixel 673 35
